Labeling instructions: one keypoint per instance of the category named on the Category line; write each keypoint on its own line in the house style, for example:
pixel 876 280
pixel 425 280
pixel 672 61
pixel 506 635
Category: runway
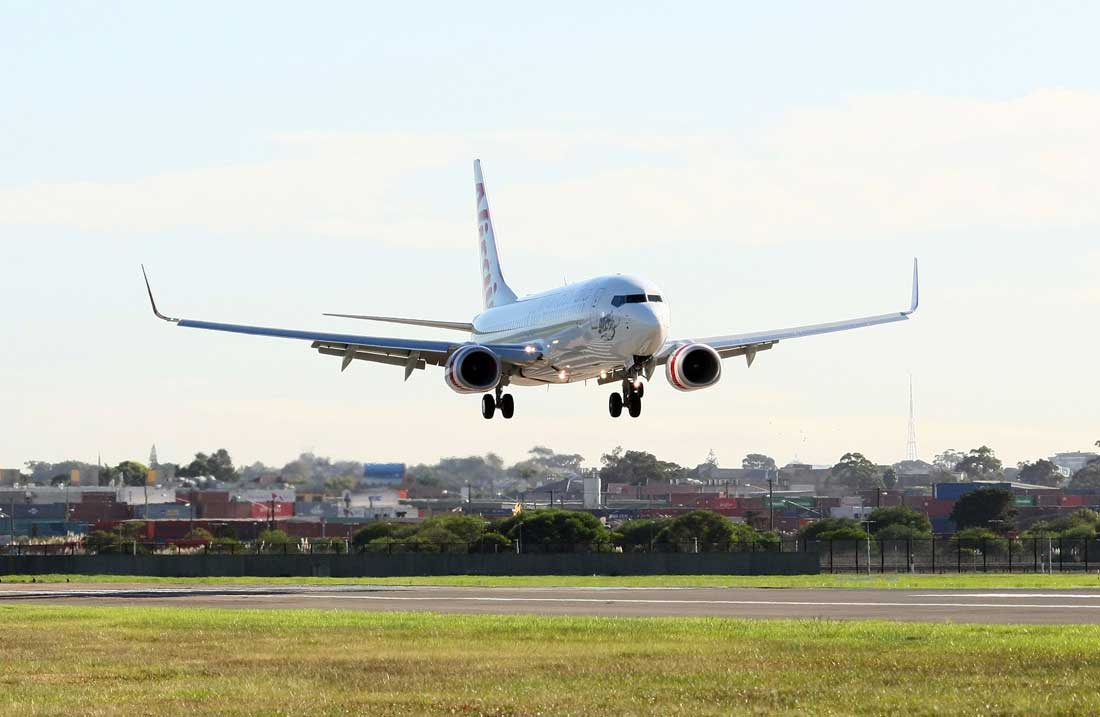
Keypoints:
pixel 962 606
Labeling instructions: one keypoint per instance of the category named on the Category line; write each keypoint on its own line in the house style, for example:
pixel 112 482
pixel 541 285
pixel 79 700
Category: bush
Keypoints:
pixel 639 533
pixel 328 545
pixel 704 526
pixel 833 529
pixel 381 529
pixel 278 541
pixel 199 534
pixel 555 529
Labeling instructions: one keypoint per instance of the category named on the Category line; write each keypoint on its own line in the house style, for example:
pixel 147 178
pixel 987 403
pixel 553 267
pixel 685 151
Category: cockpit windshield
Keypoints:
pixel 634 299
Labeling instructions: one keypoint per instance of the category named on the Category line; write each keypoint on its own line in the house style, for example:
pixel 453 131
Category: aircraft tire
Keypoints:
pixel 635 406
pixel 507 405
pixel 488 406
pixel 615 405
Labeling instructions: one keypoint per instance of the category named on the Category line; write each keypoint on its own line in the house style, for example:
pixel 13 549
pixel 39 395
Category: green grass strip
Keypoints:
pixel 127 661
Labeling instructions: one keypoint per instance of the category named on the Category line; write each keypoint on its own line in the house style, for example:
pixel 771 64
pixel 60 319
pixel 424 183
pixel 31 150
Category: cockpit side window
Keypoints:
pixel 655 298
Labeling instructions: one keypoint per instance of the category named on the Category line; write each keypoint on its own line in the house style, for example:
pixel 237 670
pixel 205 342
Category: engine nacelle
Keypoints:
pixel 472 369
pixel 693 366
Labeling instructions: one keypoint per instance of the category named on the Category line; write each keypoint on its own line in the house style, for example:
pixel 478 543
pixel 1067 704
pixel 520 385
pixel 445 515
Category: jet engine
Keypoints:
pixel 693 366
pixel 472 369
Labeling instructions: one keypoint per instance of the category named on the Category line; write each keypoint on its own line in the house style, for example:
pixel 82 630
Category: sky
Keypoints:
pixel 765 166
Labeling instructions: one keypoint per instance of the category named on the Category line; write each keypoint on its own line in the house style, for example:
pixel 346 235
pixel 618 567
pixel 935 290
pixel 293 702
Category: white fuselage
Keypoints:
pixel 583 329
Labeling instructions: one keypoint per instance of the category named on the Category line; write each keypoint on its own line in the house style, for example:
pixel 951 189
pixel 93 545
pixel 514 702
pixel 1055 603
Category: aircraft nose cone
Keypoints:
pixel 649 329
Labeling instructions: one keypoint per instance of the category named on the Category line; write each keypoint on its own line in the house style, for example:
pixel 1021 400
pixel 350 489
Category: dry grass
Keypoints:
pixel 127 661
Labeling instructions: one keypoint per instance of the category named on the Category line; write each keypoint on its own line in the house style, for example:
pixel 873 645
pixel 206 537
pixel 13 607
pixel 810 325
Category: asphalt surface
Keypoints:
pixel 962 606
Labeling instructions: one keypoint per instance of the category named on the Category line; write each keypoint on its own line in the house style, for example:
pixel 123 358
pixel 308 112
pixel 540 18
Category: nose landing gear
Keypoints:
pixel 503 401
pixel 631 398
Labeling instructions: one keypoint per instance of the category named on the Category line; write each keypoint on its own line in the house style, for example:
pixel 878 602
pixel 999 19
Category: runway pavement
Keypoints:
pixel 970 606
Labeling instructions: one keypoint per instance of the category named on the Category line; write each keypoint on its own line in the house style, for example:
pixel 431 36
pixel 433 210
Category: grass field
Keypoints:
pixel 126 661
pixel 967 581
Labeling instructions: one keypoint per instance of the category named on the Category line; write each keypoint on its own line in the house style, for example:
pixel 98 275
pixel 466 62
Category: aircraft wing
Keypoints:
pixel 412 354
pixel 748 345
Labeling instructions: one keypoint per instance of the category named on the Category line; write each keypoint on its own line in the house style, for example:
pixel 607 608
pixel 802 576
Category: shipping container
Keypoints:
pixel 1025 501
pixel 49 511
pixel 954 491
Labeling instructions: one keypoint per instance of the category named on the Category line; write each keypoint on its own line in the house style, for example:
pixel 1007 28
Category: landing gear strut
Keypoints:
pixel 631 398
pixel 501 400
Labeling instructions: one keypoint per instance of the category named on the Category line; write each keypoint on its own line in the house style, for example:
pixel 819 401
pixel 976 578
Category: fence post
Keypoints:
pixel 1035 554
pixel 1010 541
pixel 881 558
pixel 1059 553
pixel 1086 555
pixel 958 555
pixel 985 564
pixel 857 556
pixel 831 571
pixel 933 554
pixel 909 554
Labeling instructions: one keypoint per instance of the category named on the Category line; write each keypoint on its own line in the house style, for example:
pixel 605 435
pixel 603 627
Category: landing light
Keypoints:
pixel 562 375
pixel 637 382
pixel 529 349
pixel 603 374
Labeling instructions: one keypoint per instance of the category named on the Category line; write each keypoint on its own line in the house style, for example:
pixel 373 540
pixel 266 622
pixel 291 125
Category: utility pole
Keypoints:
pixel 771 506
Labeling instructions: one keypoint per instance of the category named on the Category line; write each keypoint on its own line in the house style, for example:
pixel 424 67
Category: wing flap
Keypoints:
pixel 431 323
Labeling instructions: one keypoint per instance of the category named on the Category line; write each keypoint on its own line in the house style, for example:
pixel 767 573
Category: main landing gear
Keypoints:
pixel 503 401
pixel 630 398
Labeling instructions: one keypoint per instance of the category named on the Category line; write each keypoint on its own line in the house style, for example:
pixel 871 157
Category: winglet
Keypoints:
pixel 153 301
pixel 916 291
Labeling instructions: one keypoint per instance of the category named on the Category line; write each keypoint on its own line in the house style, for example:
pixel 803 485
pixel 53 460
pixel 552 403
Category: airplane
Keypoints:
pixel 611 329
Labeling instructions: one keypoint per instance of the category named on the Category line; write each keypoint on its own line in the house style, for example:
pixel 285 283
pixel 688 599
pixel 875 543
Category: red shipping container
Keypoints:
pixel 263 510
pixel 727 503
pixel 1073 501
pixel 1050 498
pixel 938 508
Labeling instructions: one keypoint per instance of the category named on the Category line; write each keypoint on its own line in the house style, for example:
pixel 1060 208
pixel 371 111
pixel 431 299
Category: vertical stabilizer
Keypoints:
pixel 494 290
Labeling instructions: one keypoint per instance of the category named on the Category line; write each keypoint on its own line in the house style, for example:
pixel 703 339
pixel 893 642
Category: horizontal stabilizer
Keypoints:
pixel 450 325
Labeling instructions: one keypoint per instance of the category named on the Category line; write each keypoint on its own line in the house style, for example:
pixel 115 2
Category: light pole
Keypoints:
pixel 771 507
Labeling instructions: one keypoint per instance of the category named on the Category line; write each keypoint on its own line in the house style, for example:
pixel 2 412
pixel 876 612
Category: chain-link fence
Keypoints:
pixel 918 555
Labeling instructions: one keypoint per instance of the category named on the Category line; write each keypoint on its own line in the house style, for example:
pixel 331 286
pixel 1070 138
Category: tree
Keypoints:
pixel 1080 523
pixel 636 468
pixel 949 459
pixel 381 529
pixel 899 523
pixel 990 508
pixel 833 529
pixel 554 527
pixel 126 473
pixel 1088 477
pixel 463 528
pixel 705 526
pixel 890 478
pixel 1041 472
pixel 980 463
pixel 640 532
pixel 758 461
pixel 855 472
pixel 218 465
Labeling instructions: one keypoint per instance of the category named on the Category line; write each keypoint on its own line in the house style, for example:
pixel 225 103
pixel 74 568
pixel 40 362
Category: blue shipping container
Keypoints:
pixel 38 512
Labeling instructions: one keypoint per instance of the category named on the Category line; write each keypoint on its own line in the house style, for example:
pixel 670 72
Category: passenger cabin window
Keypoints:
pixel 629 299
